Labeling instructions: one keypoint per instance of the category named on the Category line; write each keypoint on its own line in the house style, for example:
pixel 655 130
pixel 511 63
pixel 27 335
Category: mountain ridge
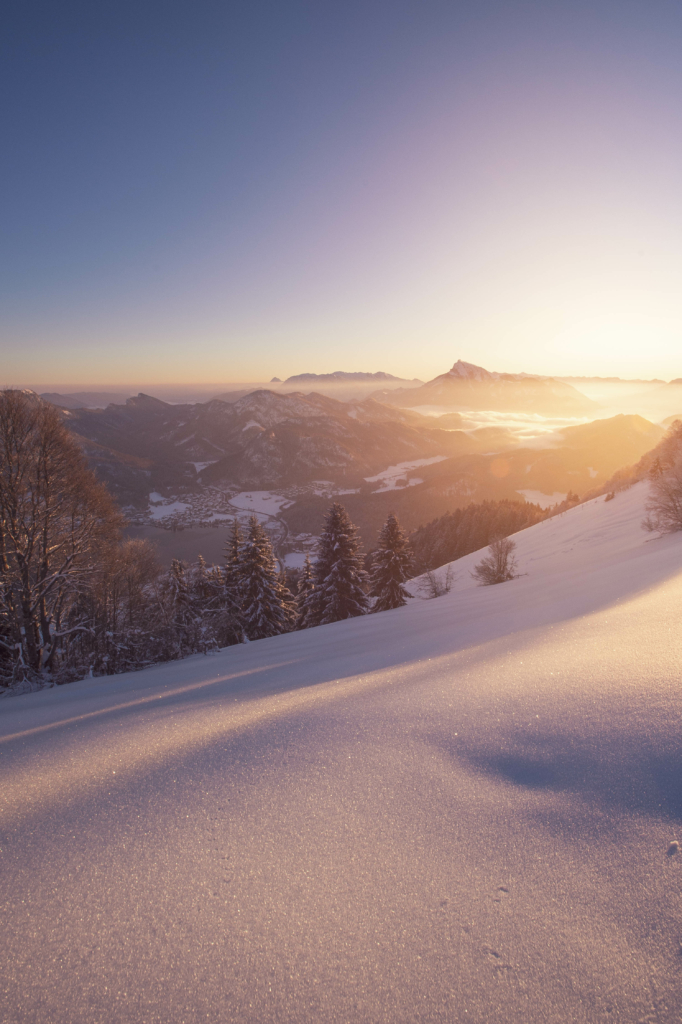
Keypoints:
pixel 468 386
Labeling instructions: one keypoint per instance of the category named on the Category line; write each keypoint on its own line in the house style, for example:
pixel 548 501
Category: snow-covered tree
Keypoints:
pixel 306 589
pixel 664 507
pixel 56 523
pixel 338 574
pixel 233 560
pixel 184 608
pixel 265 611
pixel 391 565
pixel 288 600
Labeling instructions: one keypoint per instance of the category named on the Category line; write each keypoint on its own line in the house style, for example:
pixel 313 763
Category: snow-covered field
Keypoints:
pixel 542 499
pixel 395 478
pixel 260 501
pixel 458 811
pixel 165 511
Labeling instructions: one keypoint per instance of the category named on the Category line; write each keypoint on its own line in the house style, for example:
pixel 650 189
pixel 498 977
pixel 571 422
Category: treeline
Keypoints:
pixel 468 529
pixel 76 601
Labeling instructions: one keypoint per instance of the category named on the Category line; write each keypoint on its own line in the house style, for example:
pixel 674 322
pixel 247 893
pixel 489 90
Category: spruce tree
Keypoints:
pixel 184 620
pixel 390 567
pixel 264 609
pixel 288 601
pixel 338 576
pixel 233 560
pixel 306 589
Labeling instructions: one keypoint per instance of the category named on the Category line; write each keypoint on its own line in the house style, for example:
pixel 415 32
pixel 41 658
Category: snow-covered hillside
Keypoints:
pixel 457 811
pixel 589 558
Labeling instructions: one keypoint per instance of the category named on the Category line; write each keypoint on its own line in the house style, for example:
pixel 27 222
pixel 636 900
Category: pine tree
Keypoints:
pixel 338 576
pixel 233 561
pixel 233 627
pixel 185 622
pixel 264 610
pixel 306 589
pixel 288 601
pixel 390 567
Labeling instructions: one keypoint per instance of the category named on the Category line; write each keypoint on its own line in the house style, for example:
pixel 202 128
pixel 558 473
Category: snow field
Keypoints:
pixel 389 478
pixel 260 501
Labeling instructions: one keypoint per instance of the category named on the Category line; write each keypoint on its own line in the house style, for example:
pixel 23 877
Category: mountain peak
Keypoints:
pixel 471 371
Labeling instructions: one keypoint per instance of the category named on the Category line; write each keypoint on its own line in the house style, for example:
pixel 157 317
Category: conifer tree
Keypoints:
pixel 233 560
pixel 263 608
pixel 390 567
pixel 306 589
pixel 288 601
pixel 184 619
pixel 338 576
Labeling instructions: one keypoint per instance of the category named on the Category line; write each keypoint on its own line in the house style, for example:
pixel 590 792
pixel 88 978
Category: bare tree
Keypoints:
pixel 499 566
pixel 664 507
pixel 434 585
pixel 55 522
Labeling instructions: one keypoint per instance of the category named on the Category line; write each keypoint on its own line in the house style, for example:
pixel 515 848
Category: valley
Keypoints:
pixel 192 468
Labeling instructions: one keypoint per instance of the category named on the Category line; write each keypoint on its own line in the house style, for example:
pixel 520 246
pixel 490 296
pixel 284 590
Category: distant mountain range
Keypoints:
pixel 467 386
pixel 293 442
pixel 341 376
pixel 263 439
pixel 84 399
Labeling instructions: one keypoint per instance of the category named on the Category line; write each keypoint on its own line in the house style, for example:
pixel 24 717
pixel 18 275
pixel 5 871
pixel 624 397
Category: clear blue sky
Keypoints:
pixel 226 191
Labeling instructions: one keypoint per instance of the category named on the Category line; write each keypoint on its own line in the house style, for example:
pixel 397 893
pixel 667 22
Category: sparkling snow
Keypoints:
pixel 458 810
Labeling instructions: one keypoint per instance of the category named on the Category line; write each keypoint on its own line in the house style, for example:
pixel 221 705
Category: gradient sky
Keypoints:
pixel 232 190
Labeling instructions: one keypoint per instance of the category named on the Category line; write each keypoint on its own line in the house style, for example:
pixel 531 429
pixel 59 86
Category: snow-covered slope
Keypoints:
pixel 457 811
pixel 589 558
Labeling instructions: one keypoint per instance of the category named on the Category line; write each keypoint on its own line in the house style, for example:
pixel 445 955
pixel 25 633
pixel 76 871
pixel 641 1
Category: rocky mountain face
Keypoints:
pixel 262 440
pixel 466 386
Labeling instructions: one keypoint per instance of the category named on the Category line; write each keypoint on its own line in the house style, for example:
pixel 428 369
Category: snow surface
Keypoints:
pixel 460 810
pixel 389 477
pixel 161 511
pixel 260 501
pixel 542 499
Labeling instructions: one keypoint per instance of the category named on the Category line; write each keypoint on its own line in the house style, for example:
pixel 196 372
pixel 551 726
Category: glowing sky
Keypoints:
pixel 232 190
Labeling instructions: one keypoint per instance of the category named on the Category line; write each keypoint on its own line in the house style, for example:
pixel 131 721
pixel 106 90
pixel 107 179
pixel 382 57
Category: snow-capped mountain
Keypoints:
pixel 466 386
